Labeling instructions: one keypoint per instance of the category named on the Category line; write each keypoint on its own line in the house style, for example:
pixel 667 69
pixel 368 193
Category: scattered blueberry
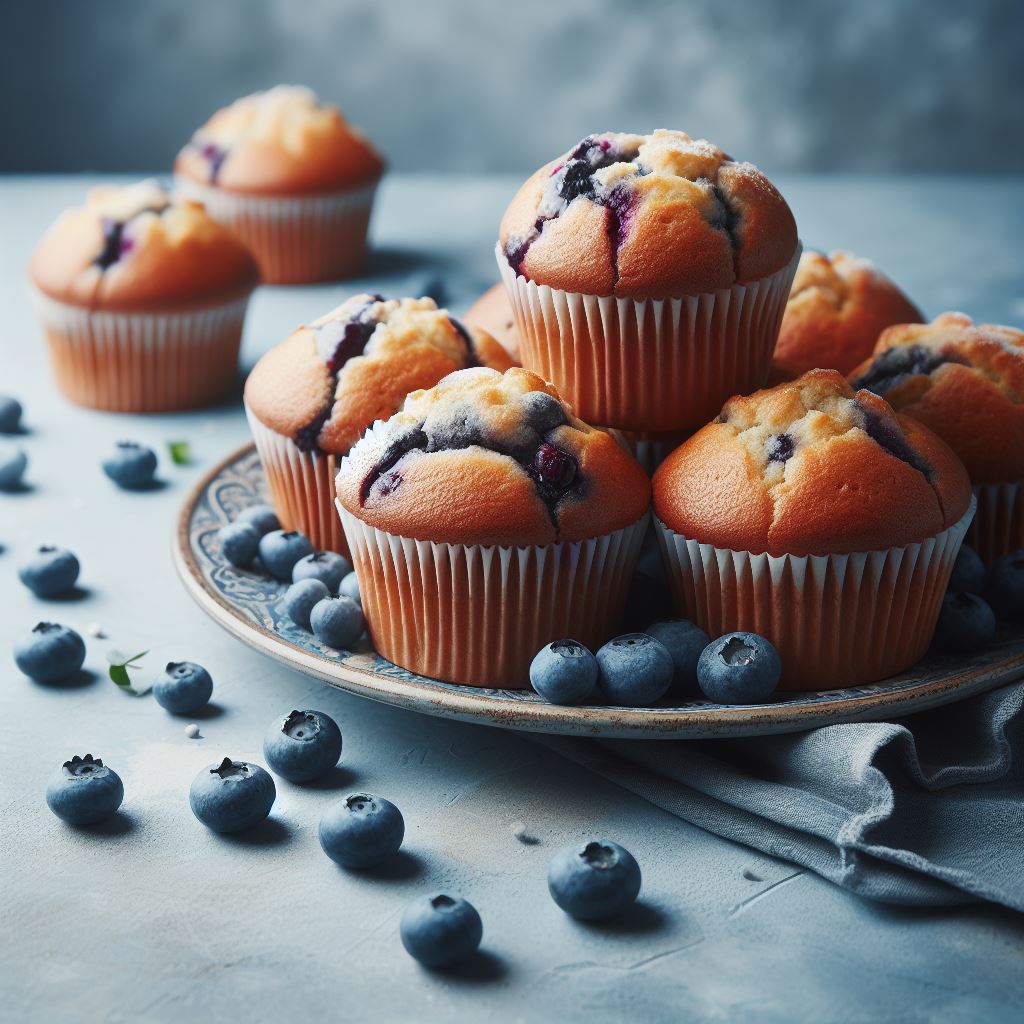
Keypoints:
pixel 969 573
pixel 183 688
pixel 564 672
pixel 349 587
pixel 361 831
pixel 232 795
pixel 84 791
pixel 303 746
pixel 441 931
pixel 965 623
pixel 634 670
pixel 1006 586
pixel 50 653
pixel 300 599
pixel 739 668
pixel 10 415
pixel 239 543
pixel 13 463
pixel 132 466
pixel 262 518
pixel 327 566
pixel 595 881
pixel 684 641
pixel 281 549
pixel 337 622
pixel 52 572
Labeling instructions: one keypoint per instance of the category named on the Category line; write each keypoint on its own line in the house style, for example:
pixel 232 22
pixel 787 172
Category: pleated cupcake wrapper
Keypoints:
pixel 998 528
pixel 651 364
pixel 477 615
pixel 837 620
pixel 649 449
pixel 142 362
pixel 301 487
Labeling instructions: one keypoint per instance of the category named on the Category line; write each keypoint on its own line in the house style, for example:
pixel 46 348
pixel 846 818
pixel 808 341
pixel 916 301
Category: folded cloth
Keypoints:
pixel 928 811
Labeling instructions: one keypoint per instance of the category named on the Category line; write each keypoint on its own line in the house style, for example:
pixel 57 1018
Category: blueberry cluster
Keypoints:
pixel 13 460
pixel 895 365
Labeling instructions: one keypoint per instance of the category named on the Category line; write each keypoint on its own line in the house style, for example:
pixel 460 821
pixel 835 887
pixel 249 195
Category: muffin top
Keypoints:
pixel 493 312
pixel 647 216
pixel 280 142
pixel 493 459
pixel 137 248
pixel 838 306
pixel 811 468
pixel 965 381
pixel 327 382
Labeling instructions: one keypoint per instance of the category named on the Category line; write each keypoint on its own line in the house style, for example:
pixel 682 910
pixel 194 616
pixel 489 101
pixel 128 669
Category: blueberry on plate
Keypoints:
pixel 564 672
pixel 10 415
pixel 361 831
pixel 281 549
pixel 13 463
pixel 634 670
pixel 1006 586
pixel 965 623
pixel 132 466
pixel 685 641
pixel 52 572
pixel 349 587
pixel 239 543
pixel 969 573
pixel 337 622
pixel 441 931
pixel 739 668
pixel 301 597
pixel 262 518
pixel 595 881
pixel 303 746
pixel 183 688
pixel 327 566
pixel 50 653
pixel 84 791
pixel 232 795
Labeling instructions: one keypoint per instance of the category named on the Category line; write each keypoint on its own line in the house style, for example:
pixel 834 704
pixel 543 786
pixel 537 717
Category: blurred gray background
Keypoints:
pixel 876 85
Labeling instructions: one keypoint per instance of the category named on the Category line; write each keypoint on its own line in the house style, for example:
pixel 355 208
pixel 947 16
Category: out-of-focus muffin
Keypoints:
pixel 493 312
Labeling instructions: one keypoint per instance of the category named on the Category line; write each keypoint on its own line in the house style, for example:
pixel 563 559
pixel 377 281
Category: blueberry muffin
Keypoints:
pixel 291 177
pixel 310 399
pixel 966 382
pixel 820 518
pixel 485 521
pixel 142 299
pixel 839 305
pixel 647 275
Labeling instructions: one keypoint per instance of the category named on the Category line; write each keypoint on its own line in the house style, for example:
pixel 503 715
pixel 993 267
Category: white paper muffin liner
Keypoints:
pixel 142 362
pixel 998 528
pixel 651 364
pixel 295 239
pixel 837 620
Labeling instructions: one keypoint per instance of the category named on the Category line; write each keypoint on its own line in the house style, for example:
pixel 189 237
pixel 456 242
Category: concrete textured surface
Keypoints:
pixel 153 918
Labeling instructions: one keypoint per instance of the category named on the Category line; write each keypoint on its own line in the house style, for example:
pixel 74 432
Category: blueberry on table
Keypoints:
pixel 262 518
pixel 684 641
pixel 232 795
pixel 1006 586
pixel 739 668
pixel 10 415
pixel 13 463
pixel 327 566
pixel 969 574
pixel 183 688
pixel 281 549
pixel 51 572
pixel 441 931
pixel 50 653
pixel 300 599
pixel 337 622
pixel 303 746
pixel 84 791
pixel 361 831
pixel 349 587
pixel 564 672
pixel 965 623
pixel 132 466
pixel 634 670
pixel 239 543
pixel 595 881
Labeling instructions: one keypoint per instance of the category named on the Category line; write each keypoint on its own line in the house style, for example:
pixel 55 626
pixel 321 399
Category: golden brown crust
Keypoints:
pixel 493 312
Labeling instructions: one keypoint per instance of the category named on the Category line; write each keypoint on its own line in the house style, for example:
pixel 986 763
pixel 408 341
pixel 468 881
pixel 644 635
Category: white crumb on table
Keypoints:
pixel 96 630
pixel 192 731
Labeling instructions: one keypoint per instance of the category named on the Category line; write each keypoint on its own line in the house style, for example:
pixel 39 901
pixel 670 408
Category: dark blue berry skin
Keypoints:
pixel 595 881
pixel 281 549
pixel 10 415
pixel 303 746
pixel 564 672
pixel 84 791
pixel 969 574
pixel 337 622
pixel 232 796
pixel 13 463
pixel 51 572
pixel 300 599
pixel 132 466
pixel 50 653
pixel 349 587
pixel 239 544
pixel 327 566
pixel 684 641
pixel 441 931
pixel 183 688
pixel 966 622
pixel 1005 590
pixel 361 831
pixel 739 668
pixel 262 518
pixel 634 670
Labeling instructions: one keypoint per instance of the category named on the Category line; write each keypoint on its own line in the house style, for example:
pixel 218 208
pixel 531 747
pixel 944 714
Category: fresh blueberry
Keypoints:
pixel 262 518
pixel 564 672
pixel 441 931
pixel 337 622
pixel 52 572
pixel 361 831
pixel 1006 586
pixel 50 653
pixel 232 795
pixel 13 463
pixel 685 641
pixel 739 668
pixel 183 688
pixel 349 587
pixel 84 791
pixel 966 622
pixel 300 598
pixel 595 881
pixel 969 574
pixel 281 549
pixel 132 466
pixel 327 566
pixel 10 415
pixel 303 746
pixel 634 670
pixel 239 543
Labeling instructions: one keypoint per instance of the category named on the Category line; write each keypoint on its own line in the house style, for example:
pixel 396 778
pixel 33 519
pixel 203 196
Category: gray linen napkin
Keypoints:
pixel 928 811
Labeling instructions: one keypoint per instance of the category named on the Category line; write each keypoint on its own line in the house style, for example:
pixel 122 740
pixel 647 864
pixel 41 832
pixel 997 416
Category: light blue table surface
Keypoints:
pixel 157 919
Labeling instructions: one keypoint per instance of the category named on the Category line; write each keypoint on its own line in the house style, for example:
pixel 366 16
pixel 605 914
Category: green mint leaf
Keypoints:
pixel 119 665
pixel 181 452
